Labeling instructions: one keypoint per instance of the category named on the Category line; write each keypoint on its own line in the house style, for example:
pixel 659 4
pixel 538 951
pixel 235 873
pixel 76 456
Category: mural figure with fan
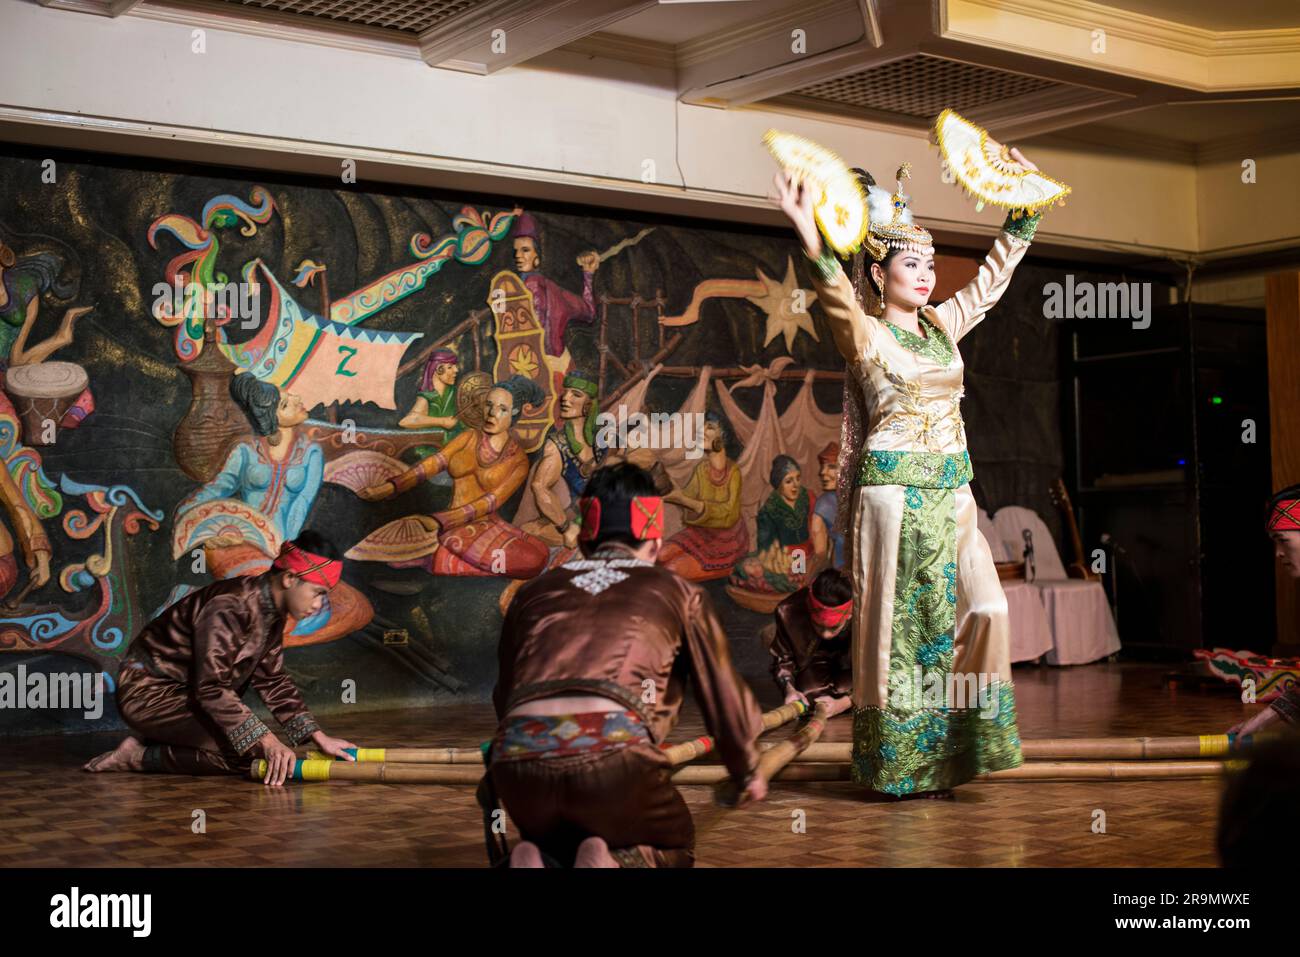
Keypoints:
pixel 487 465
pixel 261 499
pixel 929 611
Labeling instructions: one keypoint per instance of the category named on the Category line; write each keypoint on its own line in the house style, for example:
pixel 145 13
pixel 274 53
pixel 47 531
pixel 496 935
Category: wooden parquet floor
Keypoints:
pixel 53 814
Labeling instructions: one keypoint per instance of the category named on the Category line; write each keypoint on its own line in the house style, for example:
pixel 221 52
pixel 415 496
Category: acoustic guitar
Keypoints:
pixel 1079 567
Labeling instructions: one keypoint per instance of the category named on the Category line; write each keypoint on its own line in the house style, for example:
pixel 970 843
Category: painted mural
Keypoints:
pixel 197 367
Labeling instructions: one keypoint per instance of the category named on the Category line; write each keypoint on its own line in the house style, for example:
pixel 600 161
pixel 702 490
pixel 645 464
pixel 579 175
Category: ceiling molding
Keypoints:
pixel 1131 143
pixel 623 49
pixel 745 84
pixel 728 40
pixel 1263 143
pixel 274 25
pixel 1151 31
pixel 99 8
pixel 1140 46
pixel 530 28
pixel 1122 142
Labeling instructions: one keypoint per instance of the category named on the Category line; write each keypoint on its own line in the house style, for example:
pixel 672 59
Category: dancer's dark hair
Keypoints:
pixel 615 486
pixel 832 587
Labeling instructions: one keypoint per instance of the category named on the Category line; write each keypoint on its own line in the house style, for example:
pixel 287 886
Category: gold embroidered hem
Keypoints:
pixel 930 631
pixel 907 752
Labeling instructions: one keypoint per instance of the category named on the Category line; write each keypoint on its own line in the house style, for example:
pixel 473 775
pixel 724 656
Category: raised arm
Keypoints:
pixel 851 327
pixel 960 314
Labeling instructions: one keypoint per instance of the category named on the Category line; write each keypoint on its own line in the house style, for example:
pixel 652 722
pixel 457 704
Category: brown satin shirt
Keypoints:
pixel 632 631
pixel 813 664
pixel 216 642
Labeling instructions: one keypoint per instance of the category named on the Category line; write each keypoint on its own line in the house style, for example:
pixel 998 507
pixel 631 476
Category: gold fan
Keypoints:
pixel 985 169
pixel 841 206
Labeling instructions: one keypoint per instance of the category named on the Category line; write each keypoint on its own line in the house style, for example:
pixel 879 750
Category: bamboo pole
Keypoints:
pixel 1093 749
pixel 374 772
pixel 833 752
pixel 690 750
pixel 1184 746
pixel 775 758
pixel 407 755
pixel 390 773
pixel 1111 770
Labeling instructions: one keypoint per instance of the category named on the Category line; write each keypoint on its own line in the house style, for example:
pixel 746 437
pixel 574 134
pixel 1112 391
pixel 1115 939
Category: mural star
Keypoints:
pixel 787 307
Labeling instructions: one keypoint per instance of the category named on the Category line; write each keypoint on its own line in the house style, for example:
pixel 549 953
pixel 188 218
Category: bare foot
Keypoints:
pixel 594 852
pixel 127 756
pixel 526 854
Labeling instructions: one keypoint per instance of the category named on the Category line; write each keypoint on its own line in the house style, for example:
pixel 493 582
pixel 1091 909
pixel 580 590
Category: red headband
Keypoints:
pixel 643 519
pixel 316 569
pixel 1285 516
pixel 828 616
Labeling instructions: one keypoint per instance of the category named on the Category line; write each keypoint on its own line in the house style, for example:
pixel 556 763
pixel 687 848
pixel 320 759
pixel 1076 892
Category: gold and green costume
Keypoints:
pixel 932 690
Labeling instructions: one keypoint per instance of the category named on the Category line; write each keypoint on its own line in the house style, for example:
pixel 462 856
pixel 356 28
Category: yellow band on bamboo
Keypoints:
pixel 370 754
pixel 1212 744
pixel 316 770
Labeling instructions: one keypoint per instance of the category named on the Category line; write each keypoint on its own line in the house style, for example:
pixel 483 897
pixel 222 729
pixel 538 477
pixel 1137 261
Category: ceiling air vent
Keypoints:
pixel 411 16
pixel 921 86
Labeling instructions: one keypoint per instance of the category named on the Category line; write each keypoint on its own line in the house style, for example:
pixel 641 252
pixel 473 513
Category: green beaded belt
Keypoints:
pixel 917 469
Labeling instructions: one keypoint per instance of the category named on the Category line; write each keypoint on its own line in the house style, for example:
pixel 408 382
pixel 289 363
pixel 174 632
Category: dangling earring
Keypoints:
pixel 880 298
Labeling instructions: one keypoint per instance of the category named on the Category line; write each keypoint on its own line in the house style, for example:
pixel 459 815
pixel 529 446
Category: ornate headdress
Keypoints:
pixel 892 225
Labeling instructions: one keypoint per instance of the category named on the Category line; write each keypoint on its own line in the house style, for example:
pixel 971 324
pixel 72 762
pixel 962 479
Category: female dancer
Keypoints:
pixel 931 662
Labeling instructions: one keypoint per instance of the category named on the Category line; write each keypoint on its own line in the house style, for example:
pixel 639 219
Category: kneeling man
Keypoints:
pixel 183 677
pixel 809 644
pixel 594 658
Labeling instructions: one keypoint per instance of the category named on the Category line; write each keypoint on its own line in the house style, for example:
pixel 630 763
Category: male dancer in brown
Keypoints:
pixel 809 644
pixel 183 677
pixel 1283 526
pixel 593 659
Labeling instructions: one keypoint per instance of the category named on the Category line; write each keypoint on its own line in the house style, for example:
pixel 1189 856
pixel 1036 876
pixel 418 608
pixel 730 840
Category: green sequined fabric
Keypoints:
pixel 1022 227
pixel 936 346
pixel 921 740
pixel 917 469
